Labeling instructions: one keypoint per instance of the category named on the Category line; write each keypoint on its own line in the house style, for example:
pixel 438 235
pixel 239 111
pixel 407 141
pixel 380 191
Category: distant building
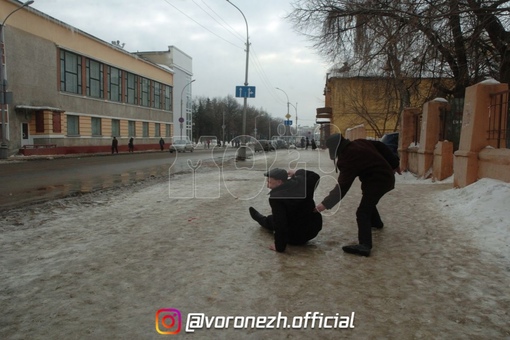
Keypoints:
pixel 182 66
pixel 75 92
pixel 370 101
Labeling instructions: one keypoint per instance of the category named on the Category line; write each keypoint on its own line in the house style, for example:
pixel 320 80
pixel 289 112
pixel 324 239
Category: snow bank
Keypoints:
pixel 482 208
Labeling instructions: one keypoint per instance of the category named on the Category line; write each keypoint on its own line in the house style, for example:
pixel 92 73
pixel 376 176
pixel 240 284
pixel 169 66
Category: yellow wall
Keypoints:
pixel 44 26
pixel 85 126
pixel 360 100
pixel 139 129
pixel 106 127
pixel 124 128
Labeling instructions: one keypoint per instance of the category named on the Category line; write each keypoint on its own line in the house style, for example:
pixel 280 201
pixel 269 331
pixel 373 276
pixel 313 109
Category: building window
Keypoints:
pixel 131 128
pixel 157 95
pixel 39 122
pixel 168 98
pixel 70 72
pixel 57 122
pixel 145 127
pixel 132 89
pixel 94 79
pixel 115 128
pixel 167 130
pixel 114 84
pixel 73 125
pixel 145 92
pixel 157 132
pixel 96 126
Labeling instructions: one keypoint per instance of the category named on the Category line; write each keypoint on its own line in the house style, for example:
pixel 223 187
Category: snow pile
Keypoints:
pixel 483 208
pixel 408 177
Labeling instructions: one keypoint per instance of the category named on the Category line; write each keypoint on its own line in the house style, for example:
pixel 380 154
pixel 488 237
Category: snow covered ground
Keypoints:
pixel 481 209
pixel 100 265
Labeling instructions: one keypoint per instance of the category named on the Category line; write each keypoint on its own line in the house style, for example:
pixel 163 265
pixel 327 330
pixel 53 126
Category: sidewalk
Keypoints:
pixel 21 158
pixel 101 265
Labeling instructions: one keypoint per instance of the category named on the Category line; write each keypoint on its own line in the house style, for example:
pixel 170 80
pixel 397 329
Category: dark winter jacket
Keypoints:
pixel 292 208
pixel 371 161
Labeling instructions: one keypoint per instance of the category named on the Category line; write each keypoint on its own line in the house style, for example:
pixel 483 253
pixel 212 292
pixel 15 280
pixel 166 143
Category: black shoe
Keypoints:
pixel 378 226
pixel 261 219
pixel 358 249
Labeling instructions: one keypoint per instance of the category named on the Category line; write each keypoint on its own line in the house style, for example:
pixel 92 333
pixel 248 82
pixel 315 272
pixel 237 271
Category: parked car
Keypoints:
pixel 267 145
pixel 280 144
pixel 391 141
pixel 255 146
pixel 181 145
pixel 262 145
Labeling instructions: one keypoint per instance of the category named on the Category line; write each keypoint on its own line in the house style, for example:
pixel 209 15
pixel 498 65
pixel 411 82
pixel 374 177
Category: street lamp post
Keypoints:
pixel 223 126
pixel 4 151
pixel 181 120
pixel 269 128
pixel 255 129
pixel 242 150
pixel 288 104
pixel 295 108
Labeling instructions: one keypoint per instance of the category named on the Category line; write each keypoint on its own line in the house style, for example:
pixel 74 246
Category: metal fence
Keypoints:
pixel 451 122
pixel 499 119
pixel 376 135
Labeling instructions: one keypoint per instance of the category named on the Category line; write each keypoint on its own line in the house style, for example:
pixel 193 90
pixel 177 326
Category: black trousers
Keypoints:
pixel 367 216
pixel 293 239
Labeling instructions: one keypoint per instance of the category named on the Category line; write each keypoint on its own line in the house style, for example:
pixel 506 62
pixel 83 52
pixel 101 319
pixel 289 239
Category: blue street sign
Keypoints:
pixel 287 122
pixel 245 91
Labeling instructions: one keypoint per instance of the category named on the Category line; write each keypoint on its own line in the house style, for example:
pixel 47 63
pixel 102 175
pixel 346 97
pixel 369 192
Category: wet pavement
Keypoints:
pixel 103 265
pixel 28 180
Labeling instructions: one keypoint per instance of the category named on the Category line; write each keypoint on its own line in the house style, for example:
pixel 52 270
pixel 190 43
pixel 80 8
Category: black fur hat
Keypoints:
pixel 333 142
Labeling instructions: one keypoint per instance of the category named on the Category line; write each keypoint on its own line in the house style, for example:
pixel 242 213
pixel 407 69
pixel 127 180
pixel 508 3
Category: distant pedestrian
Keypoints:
pixel 208 143
pixel 161 143
pixel 314 145
pixel 115 145
pixel 302 142
pixel 131 145
pixel 307 143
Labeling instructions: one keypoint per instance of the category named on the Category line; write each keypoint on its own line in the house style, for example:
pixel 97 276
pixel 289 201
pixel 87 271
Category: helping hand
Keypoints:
pixel 320 207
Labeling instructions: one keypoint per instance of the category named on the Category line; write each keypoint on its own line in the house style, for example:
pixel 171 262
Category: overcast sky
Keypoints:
pixel 213 33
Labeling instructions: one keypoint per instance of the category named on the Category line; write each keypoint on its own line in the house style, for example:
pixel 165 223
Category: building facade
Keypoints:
pixel 372 102
pixel 75 92
pixel 182 66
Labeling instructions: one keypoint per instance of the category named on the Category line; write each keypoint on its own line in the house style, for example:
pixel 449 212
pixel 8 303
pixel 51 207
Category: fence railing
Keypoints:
pixel 451 122
pixel 499 120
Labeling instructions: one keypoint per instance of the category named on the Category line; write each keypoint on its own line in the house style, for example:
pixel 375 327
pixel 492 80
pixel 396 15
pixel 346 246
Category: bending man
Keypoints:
pixel 375 165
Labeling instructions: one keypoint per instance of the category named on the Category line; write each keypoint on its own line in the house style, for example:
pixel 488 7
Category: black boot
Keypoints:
pixel 358 249
pixel 261 219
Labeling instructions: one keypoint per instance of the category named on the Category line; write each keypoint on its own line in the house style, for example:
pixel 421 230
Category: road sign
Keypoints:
pixel 287 122
pixel 245 91
pixel 288 116
pixel 181 120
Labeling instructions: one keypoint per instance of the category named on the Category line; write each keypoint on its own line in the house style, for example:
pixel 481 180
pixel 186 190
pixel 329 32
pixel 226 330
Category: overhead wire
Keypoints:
pixel 199 24
pixel 231 29
pixel 254 60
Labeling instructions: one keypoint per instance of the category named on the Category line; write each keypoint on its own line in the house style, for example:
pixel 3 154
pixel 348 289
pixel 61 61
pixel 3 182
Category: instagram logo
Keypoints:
pixel 168 321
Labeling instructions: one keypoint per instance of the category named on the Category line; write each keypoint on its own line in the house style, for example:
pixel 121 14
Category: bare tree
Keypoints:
pixel 209 114
pixel 464 40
